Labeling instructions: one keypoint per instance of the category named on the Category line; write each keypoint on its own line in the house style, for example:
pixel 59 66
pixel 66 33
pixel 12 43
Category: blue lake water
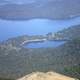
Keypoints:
pixel 9 29
pixel 45 44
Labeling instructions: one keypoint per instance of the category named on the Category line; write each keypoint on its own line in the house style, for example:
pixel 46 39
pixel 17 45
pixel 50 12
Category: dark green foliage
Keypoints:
pixel 73 69
pixel 6 79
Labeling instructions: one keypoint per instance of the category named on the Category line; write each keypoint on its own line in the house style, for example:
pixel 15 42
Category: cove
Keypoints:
pixel 44 44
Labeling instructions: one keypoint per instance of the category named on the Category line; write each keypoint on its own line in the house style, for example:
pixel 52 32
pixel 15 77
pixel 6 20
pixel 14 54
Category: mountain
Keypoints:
pixel 69 33
pixel 17 61
pixel 51 9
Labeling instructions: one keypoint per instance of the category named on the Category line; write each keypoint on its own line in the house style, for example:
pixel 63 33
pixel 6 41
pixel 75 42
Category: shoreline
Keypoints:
pixel 41 40
pixel 34 40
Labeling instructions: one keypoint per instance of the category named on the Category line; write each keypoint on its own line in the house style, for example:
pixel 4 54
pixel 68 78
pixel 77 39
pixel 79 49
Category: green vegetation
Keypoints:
pixel 16 60
pixel 73 69
pixel 6 79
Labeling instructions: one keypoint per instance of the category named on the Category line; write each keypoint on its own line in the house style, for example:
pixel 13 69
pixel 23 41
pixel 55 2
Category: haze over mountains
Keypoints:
pixel 52 9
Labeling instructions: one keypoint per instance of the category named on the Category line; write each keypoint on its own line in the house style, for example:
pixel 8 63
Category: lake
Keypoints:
pixel 9 29
pixel 44 44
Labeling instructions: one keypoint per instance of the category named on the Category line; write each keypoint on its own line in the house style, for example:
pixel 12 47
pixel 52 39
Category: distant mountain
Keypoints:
pixel 70 33
pixel 65 34
pixel 52 9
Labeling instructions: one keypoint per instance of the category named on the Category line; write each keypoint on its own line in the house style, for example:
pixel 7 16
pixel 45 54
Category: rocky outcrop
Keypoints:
pixel 46 76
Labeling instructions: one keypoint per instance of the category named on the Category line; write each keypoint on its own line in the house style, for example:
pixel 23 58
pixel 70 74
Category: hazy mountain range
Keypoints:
pixel 52 9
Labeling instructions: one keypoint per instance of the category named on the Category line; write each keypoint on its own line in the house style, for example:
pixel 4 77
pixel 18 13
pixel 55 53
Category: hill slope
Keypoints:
pixel 16 61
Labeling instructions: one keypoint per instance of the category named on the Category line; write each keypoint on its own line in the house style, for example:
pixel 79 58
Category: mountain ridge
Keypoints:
pixel 51 10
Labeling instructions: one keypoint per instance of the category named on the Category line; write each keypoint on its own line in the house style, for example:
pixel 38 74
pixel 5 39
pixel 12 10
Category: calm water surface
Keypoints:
pixel 45 44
